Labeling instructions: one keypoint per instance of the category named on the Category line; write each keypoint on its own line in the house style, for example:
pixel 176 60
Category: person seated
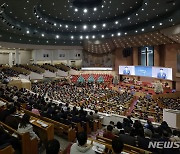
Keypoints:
pixel 126 123
pixel 5 113
pixel 108 133
pixel 143 142
pixel 74 111
pixel 75 118
pixel 81 147
pixel 11 120
pixel 175 136
pixel 25 126
pixel 90 116
pixel 83 117
pixel 129 119
pixel 35 110
pixel 7 139
pixel 127 139
pixel 164 126
pixel 96 115
pixel 118 129
pixel 149 126
pixel 53 147
pixel 117 146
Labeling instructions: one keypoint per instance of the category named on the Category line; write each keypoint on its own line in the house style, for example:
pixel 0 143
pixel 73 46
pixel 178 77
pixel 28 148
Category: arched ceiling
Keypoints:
pixel 69 22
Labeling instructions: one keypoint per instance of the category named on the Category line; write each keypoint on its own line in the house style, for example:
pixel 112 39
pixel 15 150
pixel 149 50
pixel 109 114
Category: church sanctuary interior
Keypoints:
pixel 89 76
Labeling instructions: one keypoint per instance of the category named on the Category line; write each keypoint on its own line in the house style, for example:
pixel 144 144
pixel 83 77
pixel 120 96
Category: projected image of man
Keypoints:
pixel 126 71
pixel 161 74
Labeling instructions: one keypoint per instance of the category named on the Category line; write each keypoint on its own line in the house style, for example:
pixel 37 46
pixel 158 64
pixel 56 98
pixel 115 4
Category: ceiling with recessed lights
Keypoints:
pixel 70 22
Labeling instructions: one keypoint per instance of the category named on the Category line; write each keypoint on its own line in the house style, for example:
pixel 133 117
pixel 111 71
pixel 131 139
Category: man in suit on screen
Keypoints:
pixel 161 74
pixel 126 71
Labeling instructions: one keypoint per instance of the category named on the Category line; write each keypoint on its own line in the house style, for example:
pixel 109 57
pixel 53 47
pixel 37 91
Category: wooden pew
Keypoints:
pixel 78 127
pixel 127 148
pixel 99 123
pixel 95 125
pixel 45 133
pixel 7 150
pixel 28 146
pixel 88 129
pixel 59 128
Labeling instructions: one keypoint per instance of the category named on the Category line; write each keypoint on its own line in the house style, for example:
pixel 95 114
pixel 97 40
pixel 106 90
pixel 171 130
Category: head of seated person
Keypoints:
pixel 147 133
pixel 108 133
pixel 12 110
pixel 117 146
pixel 53 147
pixel 119 125
pixel 165 134
pixel 24 121
pixel 111 123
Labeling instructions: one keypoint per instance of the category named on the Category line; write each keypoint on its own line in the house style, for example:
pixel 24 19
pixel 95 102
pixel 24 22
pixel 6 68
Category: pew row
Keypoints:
pixel 28 145
pixel 127 148
pixel 59 128
pixel 7 150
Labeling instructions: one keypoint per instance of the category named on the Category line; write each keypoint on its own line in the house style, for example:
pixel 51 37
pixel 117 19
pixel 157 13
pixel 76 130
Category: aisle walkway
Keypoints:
pixel 132 106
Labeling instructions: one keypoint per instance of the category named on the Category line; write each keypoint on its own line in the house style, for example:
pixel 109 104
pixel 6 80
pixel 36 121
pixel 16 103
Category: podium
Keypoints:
pixel 172 117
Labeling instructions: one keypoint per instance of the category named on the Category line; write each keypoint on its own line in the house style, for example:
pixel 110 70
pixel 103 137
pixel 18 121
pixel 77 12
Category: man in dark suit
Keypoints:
pixel 75 118
pixel 127 139
pixel 143 142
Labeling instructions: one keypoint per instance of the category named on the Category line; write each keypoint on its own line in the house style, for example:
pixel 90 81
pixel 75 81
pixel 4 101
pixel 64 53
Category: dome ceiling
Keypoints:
pixel 69 22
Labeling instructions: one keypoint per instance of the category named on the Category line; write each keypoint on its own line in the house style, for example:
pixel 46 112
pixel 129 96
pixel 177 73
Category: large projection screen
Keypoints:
pixel 126 70
pixel 162 73
pixel 147 71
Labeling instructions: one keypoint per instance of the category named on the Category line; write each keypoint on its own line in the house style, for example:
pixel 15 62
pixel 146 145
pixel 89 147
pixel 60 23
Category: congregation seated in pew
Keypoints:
pixel 130 133
pixel 25 126
pixel 6 139
pixel 139 135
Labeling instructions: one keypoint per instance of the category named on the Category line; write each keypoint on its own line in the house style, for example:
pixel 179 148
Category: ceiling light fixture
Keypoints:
pixel 104 25
pixel 85 10
pixel 85 27
pixel 94 26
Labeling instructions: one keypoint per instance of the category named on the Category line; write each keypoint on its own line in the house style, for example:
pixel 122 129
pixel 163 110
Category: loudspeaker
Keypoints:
pixel 127 52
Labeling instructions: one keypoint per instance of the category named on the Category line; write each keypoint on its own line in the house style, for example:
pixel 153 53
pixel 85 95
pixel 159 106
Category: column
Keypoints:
pixel 52 57
pixel 34 59
pixel 135 56
pixel 10 59
pixel 17 57
pixel 156 56
pixel 68 56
